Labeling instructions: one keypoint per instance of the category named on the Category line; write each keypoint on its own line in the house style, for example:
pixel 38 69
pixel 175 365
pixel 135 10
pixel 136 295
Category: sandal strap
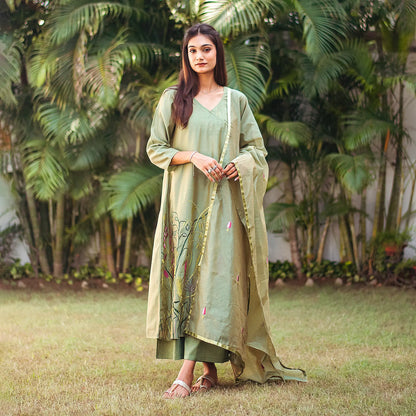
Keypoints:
pixel 208 378
pixel 182 384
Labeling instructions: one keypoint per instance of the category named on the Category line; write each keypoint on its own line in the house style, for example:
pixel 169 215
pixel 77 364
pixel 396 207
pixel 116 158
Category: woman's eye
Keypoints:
pixel 207 49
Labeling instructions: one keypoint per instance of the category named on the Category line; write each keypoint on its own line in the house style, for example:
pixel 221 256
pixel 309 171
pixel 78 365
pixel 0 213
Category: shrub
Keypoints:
pixel 7 238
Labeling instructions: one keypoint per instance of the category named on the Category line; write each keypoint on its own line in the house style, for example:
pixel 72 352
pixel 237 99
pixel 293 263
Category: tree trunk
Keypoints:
pixel 109 246
pixel 345 235
pixel 391 221
pixel 119 230
pixel 293 235
pixel 102 243
pixel 127 245
pixel 342 249
pixel 363 225
pixel 351 221
pixel 40 248
pixel 147 235
pixel 379 209
pixel 410 206
pixel 321 247
pixel 58 253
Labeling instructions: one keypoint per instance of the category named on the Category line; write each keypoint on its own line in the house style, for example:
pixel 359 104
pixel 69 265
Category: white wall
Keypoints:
pixel 8 216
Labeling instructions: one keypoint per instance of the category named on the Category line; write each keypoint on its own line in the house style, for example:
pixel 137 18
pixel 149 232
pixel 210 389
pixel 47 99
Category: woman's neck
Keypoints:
pixel 207 84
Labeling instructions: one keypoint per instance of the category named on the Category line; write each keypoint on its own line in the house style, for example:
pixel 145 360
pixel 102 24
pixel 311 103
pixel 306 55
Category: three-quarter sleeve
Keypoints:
pixel 159 147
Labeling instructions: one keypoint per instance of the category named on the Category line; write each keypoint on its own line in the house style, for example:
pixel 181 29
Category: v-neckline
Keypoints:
pixel 216 105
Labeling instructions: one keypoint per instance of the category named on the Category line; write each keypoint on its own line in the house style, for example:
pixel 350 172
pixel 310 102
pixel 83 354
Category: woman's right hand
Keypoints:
pixel 208 166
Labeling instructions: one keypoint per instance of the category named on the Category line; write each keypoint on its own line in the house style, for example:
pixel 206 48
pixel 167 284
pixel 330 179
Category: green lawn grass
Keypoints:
pixel 85 353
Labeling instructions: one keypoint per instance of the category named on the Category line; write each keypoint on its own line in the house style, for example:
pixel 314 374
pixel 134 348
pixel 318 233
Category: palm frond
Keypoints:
pixel 283 86
pixel 319 75
pixel 140 99
pixel 104 71
pixel 233 17
pixel 245 57
pixel 70 125
pixel 52 70
pixel 351 171
pixel 80 185
pixel 185 12
pixel 10 68
pixel 363 128
pixel 406 16
pixel 43 168
pixel 292 133
pixel 336 208
pixel 91 153
pixel 70 18
pixel 279 216
pixel 324 25
pixel 133 189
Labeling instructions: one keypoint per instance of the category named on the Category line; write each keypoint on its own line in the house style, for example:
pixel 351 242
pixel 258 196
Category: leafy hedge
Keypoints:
pixel 401 273
pixel 384 271
pixel 135 277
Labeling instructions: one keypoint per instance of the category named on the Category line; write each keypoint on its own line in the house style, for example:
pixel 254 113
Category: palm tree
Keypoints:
pixel 81 61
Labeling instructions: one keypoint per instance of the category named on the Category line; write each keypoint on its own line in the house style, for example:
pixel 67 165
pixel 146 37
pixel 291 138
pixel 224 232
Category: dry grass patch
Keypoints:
pixel 84 353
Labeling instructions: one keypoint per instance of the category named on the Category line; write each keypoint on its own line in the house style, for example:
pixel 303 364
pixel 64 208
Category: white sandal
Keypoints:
pixel 179 383
pixel 203 386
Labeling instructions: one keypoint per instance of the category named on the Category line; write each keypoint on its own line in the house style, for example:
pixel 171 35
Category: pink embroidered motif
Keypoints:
pixel 228 225
pixel 165 273
pixel 204 311
pixel 238 278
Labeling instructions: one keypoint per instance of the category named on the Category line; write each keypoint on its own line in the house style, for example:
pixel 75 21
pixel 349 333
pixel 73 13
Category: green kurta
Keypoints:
pixel 209 274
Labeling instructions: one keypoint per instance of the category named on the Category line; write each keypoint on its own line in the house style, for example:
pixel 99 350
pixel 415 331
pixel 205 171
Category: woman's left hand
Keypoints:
pixel 231 171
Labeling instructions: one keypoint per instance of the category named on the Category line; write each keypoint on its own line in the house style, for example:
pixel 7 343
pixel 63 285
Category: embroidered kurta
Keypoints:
pixel 209 272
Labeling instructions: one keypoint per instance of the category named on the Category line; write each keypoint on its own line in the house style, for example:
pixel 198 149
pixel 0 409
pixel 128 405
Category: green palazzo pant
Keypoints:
pixel 190 348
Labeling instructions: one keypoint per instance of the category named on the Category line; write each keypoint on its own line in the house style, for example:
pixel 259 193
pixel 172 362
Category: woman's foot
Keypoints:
pixel 180 387
pixel 208 380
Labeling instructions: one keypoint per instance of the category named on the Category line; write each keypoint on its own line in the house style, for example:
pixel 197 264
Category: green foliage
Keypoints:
pixel 74 17
pixel 10 67
pixel 352 170
pixel 386 271
pixel 232 18
pixel 134 189
pixel 331 269
pixel 81 79
pixel 8 235
pixel 292 133
pixel 284 270
pixel 246 58
pixel 394 237
pixel 326 269
pixel 85 275
pixel 19 271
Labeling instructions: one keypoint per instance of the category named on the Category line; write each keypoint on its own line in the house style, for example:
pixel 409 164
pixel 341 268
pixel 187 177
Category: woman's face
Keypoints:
pixel 202 54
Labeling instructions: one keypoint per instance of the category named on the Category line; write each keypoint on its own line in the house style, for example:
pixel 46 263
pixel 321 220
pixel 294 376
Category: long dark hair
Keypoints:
pixel 188 85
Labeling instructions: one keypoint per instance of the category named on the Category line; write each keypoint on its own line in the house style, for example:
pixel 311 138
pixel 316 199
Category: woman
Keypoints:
pixel 208 294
